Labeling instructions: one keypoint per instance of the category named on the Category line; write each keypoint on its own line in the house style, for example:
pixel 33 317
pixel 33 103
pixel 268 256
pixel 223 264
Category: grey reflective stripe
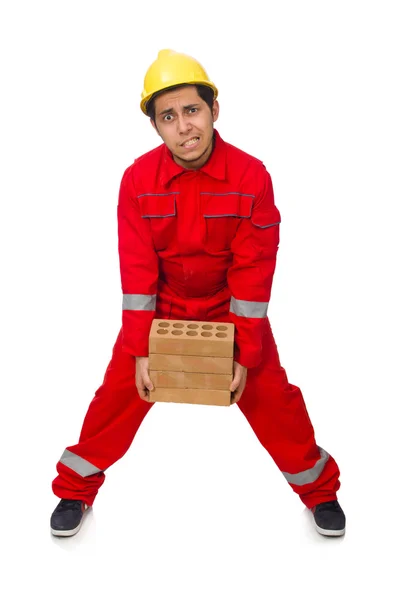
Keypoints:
pixel 247 308
pixel 159 216
pixel 139 302
pixel 167 194
pixel 226 194
pixel 265 226
pixel 78 464
pixel 309 475
pixel 227 215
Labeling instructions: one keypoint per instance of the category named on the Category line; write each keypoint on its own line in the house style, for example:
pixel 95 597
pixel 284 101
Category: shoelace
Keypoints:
pixel 70 505
pixel 333 505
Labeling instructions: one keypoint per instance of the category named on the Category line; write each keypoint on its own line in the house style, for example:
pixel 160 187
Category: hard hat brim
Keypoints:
pixel 145 101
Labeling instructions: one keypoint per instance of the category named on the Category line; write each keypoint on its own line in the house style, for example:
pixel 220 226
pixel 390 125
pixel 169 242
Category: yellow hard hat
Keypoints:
pixel 169 69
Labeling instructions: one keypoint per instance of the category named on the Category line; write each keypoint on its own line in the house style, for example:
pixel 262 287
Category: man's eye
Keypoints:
pixel 168 118
pixel 193 110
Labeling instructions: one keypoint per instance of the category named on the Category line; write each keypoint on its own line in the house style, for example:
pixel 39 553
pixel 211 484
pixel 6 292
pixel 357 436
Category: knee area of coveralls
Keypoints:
pixel 111 422
pixel 274 407
pixel 276 411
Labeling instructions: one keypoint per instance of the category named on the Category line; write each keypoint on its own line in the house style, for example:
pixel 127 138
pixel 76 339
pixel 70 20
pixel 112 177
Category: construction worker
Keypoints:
pixel 198 237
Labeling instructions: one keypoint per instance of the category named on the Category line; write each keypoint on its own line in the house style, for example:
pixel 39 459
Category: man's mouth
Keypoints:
pixel 191 142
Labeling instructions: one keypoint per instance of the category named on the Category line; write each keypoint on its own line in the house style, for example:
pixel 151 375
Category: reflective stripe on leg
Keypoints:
pixel 78 464
pixel 310 475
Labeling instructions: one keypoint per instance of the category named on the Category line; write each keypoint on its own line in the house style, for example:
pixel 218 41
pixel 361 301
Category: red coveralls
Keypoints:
pixel 198 245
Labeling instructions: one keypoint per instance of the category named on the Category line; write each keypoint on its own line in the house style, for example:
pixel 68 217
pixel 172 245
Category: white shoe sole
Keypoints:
pixel 70 532
pixel 330 532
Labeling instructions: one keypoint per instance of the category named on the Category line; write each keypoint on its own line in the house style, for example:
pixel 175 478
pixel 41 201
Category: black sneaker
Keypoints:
pixel 67 518
pixel 329 518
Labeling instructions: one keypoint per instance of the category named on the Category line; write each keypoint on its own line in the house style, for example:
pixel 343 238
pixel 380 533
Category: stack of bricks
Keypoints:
pixel 191 362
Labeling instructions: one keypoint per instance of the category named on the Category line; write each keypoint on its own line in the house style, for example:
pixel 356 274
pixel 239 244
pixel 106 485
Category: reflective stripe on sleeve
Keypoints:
pixel 309 475
pixel 266 226
pixel 78 464
pixel 247 308
pixel 139 302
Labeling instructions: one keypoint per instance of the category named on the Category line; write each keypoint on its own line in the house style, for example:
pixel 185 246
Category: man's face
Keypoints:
pixel 185 123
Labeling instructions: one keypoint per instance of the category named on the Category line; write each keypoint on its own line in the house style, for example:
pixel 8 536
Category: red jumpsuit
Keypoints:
pixel 198 245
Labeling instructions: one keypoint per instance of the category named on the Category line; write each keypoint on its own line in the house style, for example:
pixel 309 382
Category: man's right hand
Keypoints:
pixel 142 379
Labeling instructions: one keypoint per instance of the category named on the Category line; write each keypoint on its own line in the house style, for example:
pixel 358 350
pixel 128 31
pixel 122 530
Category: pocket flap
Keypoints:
pixel 227 205
pixel 157 205
pixel 266 218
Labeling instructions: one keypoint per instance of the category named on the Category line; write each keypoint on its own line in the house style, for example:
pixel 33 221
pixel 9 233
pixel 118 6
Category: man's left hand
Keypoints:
pixel 239 380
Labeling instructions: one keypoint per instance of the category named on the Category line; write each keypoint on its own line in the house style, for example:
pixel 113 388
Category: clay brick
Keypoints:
pixel 191 338
pixel 190 364
pixel 208 397
pixel 177 379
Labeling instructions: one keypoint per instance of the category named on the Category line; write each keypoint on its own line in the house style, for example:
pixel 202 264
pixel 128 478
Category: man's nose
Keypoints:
pixel 184 124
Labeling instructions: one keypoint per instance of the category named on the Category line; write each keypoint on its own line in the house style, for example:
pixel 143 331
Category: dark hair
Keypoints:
pixel 204 91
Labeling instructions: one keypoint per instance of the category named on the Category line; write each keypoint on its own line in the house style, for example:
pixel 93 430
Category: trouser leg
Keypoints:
pixel 276 411
pixel 109 427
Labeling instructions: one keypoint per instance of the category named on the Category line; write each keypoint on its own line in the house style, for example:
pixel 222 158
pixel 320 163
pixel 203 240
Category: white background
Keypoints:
pixel 197 509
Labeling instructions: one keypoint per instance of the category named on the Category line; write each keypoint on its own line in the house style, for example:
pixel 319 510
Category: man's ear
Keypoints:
pixel 154 125
pixel 215 110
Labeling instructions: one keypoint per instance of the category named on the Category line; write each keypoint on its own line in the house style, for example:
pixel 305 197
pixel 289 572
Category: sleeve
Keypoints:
pixel 250 276
pixel 138 270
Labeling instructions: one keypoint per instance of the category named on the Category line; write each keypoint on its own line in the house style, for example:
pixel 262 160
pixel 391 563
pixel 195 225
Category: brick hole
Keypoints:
pixel 162 331
pixel 192 326
pixel 191 333
pixel 207 327
pixel 206 333
pixel 178 325
pixel 221 335
pixel 163 324
pixel 177 332
pixel 222 328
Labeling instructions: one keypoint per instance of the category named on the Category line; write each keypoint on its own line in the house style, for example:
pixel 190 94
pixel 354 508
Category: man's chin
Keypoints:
pixel 189 158
pixel 192 159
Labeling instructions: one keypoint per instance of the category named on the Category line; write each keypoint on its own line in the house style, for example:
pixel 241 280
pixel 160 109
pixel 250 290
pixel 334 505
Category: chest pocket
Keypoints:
pixel 222 215
pixel 160 209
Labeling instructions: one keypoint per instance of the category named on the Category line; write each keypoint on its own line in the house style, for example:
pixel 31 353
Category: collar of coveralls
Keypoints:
pixel 214 167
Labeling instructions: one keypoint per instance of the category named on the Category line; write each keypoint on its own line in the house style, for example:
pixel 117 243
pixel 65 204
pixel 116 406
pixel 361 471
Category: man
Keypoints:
pixel 198 237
